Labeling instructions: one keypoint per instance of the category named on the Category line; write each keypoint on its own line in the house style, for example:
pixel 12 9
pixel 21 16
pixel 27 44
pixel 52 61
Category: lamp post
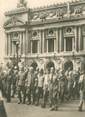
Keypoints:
pixel 16 49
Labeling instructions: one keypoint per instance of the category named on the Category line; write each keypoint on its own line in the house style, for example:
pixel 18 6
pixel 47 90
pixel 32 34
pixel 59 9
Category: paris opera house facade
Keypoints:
pixel 48 36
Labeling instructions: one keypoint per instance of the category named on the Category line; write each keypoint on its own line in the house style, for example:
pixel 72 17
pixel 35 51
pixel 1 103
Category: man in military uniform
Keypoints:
pixel 3 81
pixel 40 86
pixel 51 76
pixel 29 85
pixel 8 84
pixel 62 84
pixel 45 88
pixel 21 85
pixel 70 80
pixel 81 89
pixel 53 93
pixel 14 79
pixel 35 88
pixel 76 75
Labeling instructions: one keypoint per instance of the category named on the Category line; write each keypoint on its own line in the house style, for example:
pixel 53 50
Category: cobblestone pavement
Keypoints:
pixel 22 110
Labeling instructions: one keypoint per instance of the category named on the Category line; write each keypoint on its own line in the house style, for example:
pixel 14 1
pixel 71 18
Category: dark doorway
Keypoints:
pixel 49 65
pixel 68 64
pixel 34 65
pixel 69 44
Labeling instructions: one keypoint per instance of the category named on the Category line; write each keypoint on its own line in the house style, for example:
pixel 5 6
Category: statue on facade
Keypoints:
pixel 22 3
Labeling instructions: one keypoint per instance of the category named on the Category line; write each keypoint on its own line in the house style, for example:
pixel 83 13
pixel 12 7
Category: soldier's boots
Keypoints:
pixel 80 107
pixel 54 108
pixel 19 102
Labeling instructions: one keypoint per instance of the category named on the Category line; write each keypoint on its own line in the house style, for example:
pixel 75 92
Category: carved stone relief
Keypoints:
pixel 78 10
pixel 13 21
pixel 59 13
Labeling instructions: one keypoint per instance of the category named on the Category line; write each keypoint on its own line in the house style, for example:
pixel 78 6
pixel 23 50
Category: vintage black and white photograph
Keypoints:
pixel 42 58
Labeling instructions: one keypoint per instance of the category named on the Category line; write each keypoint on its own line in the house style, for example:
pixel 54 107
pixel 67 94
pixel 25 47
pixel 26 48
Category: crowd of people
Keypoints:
pixel 43 87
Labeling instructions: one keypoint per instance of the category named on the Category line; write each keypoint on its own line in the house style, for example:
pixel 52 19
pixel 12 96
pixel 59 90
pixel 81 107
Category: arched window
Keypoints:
pixel 49 65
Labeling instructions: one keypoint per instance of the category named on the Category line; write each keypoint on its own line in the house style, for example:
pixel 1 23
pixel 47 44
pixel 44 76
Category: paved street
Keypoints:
pixel 67 110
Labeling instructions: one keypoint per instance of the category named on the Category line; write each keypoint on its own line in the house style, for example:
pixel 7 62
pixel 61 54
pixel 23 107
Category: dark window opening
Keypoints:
pixel 35 34
pixel 50 45
pixel 69 44
pixel 51 32
pixel 34 46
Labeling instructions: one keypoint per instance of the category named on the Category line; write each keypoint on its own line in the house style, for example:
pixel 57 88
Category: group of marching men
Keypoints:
pixel 38 87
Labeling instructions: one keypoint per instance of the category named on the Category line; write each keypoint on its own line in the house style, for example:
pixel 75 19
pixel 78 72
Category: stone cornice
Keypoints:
pixel 14 26
pixel 48 21
pixel 58 5
pixel 17 11
pixel 44 8
pixel 15 30
pixel 58 24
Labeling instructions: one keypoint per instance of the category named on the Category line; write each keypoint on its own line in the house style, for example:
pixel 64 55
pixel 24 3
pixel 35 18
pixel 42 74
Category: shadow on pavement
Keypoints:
pixel 2 110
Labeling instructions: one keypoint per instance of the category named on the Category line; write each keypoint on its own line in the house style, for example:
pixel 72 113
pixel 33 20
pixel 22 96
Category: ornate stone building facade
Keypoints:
pixel 47 36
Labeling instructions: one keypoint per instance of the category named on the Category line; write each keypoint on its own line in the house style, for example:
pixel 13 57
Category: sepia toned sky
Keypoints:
pixel 6 5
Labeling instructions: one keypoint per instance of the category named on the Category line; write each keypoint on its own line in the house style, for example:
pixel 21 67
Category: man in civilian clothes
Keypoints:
pixel 8 84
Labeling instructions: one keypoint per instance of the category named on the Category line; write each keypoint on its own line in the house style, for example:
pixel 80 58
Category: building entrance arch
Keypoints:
pixel 34 65
pixel 49 65
pixel 68 64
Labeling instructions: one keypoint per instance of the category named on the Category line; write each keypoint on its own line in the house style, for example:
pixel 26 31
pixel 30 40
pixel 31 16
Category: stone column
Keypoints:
pixel 6 39
pixel 64 44
pixel 61 42
pixel 56 41
pixel 6 44
pixel 13 49
pixel 31 47
pixel 38 48
pixel 21 43
pixel 75 41
pixel 73 44
pixel 45 42
pixel 42 43
pixel 84 43
pixel 9 44
pixel 39 42
pixel 47 46
pixel 24 43
pixel 80 39
pixel 29 41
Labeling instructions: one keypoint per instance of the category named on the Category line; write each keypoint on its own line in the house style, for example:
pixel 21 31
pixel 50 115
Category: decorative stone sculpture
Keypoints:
pixel 22 3
pixel 59 13
pixel 78 10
